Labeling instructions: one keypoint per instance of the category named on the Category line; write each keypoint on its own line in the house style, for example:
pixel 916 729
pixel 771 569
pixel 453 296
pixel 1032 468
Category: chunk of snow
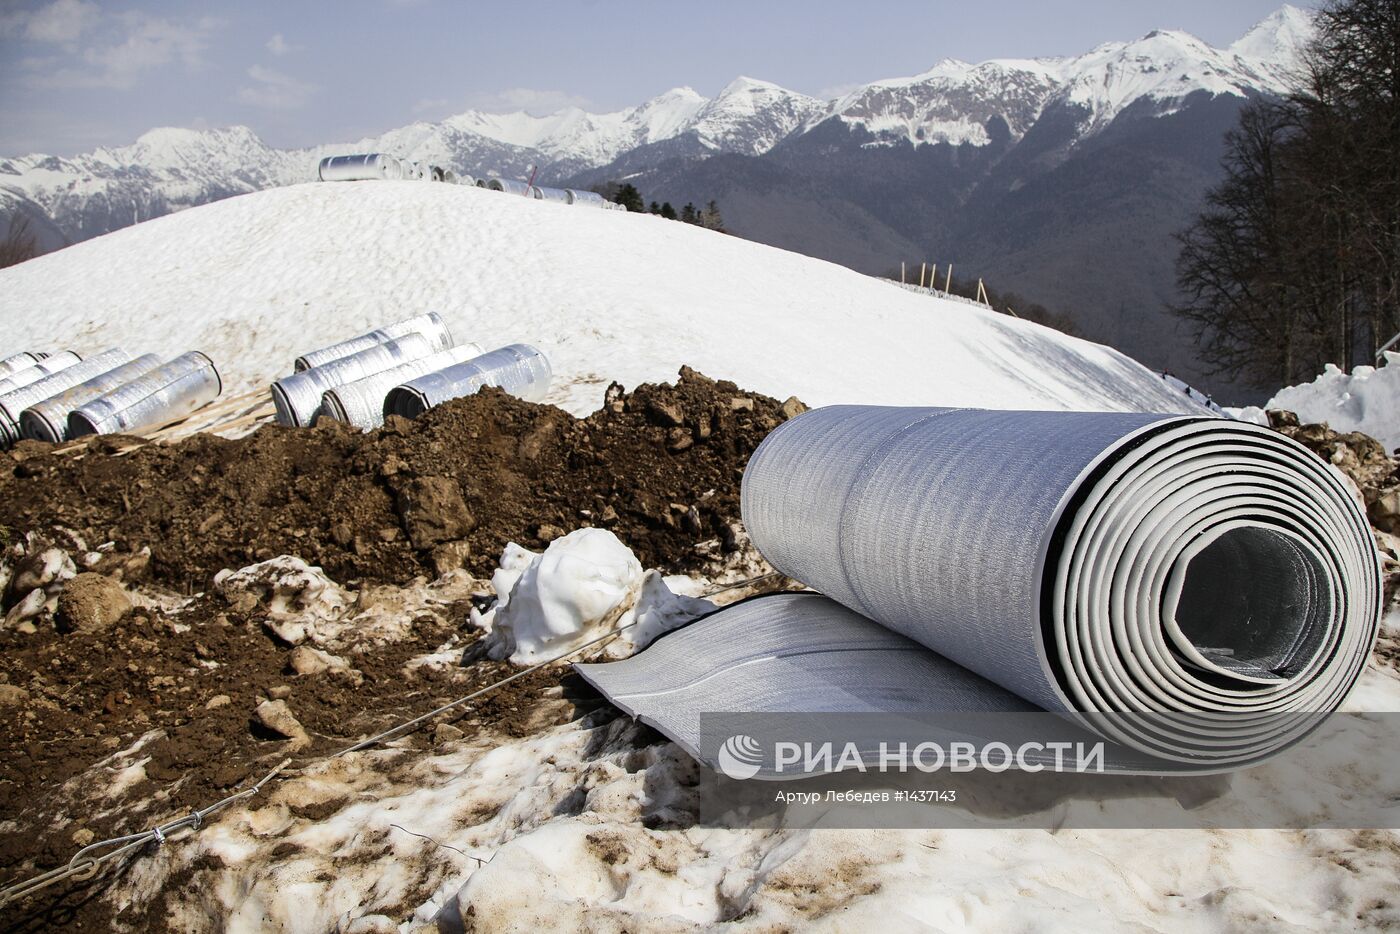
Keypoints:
pixel 584 584
pixel 573 592
pixel 1366 400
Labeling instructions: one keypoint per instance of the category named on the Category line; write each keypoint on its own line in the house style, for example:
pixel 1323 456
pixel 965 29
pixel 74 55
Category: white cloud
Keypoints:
pixel 141 44
pixel 274 90
pixel 59 21
pixel 539 103
pixel 278 45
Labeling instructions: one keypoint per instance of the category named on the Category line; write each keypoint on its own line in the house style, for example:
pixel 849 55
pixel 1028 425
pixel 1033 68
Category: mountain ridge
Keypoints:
pixel 886 172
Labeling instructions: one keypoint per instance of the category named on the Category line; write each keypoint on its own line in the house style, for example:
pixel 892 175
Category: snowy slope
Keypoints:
pixel 255 280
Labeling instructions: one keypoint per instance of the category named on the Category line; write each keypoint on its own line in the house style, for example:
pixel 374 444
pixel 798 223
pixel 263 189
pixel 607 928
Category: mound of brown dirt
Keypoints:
pixel 660 467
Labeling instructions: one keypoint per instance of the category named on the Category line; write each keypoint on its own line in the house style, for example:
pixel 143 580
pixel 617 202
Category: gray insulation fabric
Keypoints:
pixel 16 401
pixel 166 394
pixel 37 371
pixel 429 325
pixel 1211 579
pixel 361 402
pixel 518 369
pixel 297 398
pixel 48 420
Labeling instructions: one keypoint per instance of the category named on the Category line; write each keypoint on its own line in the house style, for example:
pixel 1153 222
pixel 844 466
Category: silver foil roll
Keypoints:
pixel 37 371
pixel 518 369
pixel 48 420
pixel 16 362
pixel 358 168
pixel 509 185
pixel 550 194
pixel 163 395
pixel 429 325
pixel 590 198
pixel 361 403
pixel 16 401
pixel 297 398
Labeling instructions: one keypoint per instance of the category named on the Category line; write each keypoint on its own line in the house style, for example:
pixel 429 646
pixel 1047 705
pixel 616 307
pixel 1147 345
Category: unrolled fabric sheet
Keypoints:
pixel 1210 584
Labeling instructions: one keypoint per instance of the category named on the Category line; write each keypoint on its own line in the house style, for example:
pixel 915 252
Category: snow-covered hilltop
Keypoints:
pixel 955 102
pixel 607 295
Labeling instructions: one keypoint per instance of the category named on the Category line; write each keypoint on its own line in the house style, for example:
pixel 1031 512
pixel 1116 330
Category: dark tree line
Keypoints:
pixel 627 195
pixel 1295 260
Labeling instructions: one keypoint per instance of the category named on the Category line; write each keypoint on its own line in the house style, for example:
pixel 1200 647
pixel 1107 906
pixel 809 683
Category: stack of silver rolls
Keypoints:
pixel 297 398
pixel 361 403
pixel 429 325
pixel 509 185
pixel 518 369
pixel 359 168
pixel 590 198
pixel 549 194
pixel 165 394
pixel 48 366
pixel 48 420
pixel 16 401
pixel 20 361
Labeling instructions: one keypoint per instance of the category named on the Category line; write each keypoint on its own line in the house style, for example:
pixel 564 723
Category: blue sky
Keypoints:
pixel 75 74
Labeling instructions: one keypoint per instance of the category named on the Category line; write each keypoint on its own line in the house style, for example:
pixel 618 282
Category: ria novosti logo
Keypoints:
pixel 740 757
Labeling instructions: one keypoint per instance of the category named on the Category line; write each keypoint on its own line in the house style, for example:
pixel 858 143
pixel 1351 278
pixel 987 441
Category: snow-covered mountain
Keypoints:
pixel 954 102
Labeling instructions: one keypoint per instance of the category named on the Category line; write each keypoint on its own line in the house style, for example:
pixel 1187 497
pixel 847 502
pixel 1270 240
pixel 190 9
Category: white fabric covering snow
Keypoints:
pixel 1210 572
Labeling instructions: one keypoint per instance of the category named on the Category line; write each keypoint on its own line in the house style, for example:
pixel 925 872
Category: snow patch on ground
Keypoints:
pixel 589 825
pixel 1366 400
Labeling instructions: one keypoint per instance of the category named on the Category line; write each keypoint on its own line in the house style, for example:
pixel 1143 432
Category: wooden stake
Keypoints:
pixel 921 274
pixel 901 272
pixel 981 292
pixel 948 286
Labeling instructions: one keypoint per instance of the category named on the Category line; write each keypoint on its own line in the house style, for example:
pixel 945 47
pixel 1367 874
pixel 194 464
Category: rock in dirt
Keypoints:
pixel 276 717
pixel 446 733
pixel 91 602
pixel 450 556
pixel 793 407
pixel 433 511
pixel 666 413
pixel 12 695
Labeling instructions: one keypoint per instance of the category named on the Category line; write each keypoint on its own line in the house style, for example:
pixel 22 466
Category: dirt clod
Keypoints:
pixel 91 602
